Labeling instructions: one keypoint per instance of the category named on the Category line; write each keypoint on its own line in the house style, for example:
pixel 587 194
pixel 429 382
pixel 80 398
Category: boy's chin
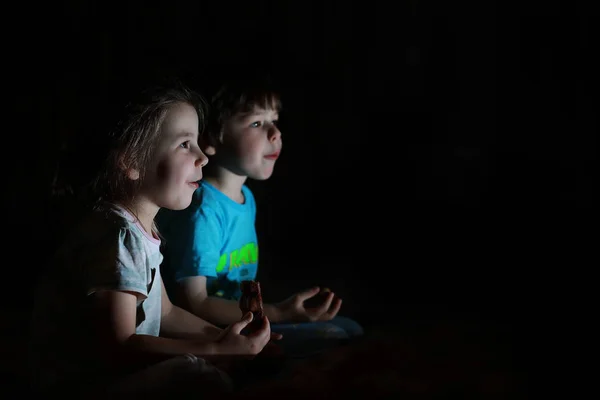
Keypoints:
pixel 262 176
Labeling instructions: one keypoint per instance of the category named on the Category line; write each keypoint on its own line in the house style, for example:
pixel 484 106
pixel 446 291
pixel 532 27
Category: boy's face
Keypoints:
pixel 171 179
pixel 251 143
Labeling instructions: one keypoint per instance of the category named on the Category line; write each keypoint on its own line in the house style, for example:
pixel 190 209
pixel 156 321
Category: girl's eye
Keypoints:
pixel 185 145
pixel 255 124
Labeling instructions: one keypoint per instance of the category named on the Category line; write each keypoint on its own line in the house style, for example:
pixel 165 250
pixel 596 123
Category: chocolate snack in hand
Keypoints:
pixel 251 300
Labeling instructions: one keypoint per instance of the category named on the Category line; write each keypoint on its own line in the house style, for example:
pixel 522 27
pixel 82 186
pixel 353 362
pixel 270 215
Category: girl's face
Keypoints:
pixel 251 144
pixel 172 177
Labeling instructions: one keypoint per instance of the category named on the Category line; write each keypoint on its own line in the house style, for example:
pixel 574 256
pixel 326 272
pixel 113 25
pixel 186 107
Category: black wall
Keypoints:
pixel 435 157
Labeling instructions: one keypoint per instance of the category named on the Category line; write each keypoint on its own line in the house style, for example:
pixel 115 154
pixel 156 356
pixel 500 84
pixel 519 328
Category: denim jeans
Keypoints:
pixel 308 338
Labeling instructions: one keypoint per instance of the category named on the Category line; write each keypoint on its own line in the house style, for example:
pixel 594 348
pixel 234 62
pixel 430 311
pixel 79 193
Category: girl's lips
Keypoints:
pixel 273 156
pixel 195 185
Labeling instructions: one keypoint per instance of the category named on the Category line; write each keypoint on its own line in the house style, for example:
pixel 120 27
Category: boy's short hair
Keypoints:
pixel 240 92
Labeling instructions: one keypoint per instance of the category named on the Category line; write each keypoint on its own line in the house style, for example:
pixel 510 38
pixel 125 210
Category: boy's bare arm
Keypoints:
pixel 194 297
pixel 181 324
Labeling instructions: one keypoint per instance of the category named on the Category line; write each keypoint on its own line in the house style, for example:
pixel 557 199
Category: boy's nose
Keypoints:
pixel 274 134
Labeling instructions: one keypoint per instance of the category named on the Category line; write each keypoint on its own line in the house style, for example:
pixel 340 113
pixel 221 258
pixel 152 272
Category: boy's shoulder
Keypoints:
pixel 208 196
pixel 248 195
pixel 207 202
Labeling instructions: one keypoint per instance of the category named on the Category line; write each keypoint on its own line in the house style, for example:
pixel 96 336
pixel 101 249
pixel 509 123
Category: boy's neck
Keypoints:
pixel 226 182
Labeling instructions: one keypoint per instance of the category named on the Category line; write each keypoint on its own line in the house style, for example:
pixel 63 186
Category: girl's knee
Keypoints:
pixel 184 374
pixel 206 375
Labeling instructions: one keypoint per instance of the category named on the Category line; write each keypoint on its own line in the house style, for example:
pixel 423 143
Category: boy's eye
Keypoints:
pixel 255 124
pixel 185 144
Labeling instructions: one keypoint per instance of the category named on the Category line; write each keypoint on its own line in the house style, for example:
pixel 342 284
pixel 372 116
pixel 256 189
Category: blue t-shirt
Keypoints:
pixel 214 237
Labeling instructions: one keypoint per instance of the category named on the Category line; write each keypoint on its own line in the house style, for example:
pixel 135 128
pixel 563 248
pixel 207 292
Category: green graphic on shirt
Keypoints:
pixel 222 262
pixel 248 254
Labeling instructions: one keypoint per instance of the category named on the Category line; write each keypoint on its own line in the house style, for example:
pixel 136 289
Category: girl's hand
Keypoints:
pixel 232 342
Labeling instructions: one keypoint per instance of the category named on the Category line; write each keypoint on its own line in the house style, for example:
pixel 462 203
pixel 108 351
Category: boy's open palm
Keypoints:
pixel 232 342
pixel 294 308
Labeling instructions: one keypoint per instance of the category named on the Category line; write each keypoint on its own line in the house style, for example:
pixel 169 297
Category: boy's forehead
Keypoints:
pixel 256 110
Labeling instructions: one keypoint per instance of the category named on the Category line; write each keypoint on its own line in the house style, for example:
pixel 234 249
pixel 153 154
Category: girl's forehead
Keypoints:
pixel 180 117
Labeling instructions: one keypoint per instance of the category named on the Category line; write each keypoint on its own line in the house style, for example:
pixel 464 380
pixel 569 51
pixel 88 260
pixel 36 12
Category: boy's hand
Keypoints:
pixel 294 310
pixel 232 342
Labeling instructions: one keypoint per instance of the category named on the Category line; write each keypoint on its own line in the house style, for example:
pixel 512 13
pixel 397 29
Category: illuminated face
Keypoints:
pixel 251 143
pixel 172 178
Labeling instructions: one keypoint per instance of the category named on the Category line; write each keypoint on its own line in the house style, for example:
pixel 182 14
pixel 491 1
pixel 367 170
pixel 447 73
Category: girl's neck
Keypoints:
pixel 145 211
pixel 227 182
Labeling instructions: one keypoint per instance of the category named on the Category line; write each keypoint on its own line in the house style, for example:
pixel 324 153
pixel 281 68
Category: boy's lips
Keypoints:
pixel 272 156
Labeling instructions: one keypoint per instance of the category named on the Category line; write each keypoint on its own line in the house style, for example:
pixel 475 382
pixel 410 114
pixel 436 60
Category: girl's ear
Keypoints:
pixel 209 150
pixel 132 173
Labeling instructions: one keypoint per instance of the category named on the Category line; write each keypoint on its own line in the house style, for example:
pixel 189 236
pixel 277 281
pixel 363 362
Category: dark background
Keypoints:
pixel 437 157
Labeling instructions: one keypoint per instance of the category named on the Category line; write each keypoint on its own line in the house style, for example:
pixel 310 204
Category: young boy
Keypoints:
pixel 212 246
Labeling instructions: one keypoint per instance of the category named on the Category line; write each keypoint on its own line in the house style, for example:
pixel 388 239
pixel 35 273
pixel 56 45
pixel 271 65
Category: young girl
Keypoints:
pixel 102 322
